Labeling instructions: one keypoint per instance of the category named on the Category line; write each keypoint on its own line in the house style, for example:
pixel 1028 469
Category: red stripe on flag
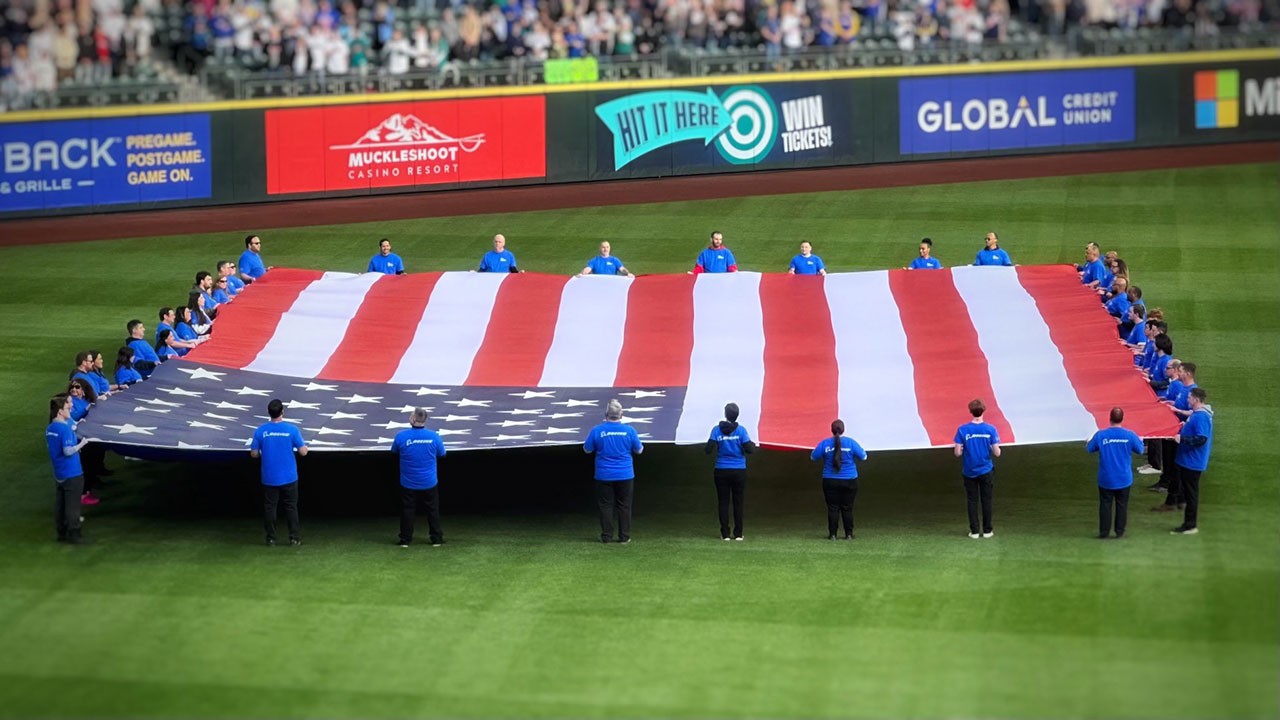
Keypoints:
pixel 520 331
pixel 658 339
pixel 1100 369
pixel 382 329
pixel 254 315
pixel 801 377
pixel 950 367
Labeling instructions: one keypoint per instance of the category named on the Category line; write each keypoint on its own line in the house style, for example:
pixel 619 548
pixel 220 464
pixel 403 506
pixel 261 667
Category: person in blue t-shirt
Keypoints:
pixel 926 261
pixel 419 449
pixel 251 265
pixel 1137 337
pixel 806 263
pixel 64 452
pixel 613 443
pixel 716 258
pixel 89 368
pixel 992 254
pixel 499 259
pixel 168 320
pixel 977 444
pixel 1118 306
pixel 221 291
pixel 275 442
pixel 145 359
pixel 1114 445
pixel 126 375
pixel 839 477
pixel 731 445
pixel 1179 401
pixel 203 286
pixel 605 263
pixel 1195 441
pixel 1093 271
pixel 227 271
pixel 386 262
pixel 1155 372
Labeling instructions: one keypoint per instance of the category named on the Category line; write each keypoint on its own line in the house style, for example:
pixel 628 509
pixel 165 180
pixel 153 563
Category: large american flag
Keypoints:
pixel 511 360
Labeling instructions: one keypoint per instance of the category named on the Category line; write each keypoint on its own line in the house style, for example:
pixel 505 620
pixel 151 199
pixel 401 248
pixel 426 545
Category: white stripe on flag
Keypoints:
pixel 1027 374
pixel 451 329
pixel 727 362
pixel 589 332
pixel 876 372
pixel 314 326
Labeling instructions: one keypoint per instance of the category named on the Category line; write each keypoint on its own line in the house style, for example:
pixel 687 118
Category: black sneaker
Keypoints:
pixel 1184 530
pixel 294 542
pixel 402 543
pixel 831 537
pixel 625 542
pixel 848 536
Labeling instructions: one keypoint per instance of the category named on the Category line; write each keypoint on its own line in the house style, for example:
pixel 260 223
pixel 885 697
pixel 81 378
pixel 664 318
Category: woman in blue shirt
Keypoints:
pixel 82 396
pixel 125 374
pixel 839 477
pixel 162 346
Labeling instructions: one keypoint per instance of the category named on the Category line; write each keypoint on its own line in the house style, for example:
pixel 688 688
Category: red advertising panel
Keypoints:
pixel 363 146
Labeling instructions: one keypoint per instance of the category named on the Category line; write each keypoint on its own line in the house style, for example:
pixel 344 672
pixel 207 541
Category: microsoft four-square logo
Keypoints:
pixel 1217 99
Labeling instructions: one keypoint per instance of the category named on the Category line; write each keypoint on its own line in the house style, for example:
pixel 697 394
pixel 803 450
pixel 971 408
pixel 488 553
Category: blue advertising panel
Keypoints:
pixel 709 128
pixel 108 161
pixel 977 113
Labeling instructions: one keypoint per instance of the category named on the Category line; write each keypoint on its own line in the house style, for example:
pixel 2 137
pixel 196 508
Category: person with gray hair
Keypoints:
pixel 419 449
pixel 613 443
pixel 731 444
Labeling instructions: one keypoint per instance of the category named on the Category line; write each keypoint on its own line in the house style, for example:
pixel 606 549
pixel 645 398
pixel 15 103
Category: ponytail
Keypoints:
pixel 837 429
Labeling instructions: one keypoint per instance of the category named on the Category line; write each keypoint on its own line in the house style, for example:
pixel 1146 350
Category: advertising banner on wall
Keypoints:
pixel 383 145
pixel 999 111
pixel 695 129
pixel 1226 101
pixel 107 161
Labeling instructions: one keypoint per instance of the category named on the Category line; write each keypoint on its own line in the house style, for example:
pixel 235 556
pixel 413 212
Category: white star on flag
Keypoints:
pixel 198 424
pixel 264 417
pixel 297 405
pixel 638 394
pixel 456 418
pixel 628 421
pixel 325 442
pixel 344 416
pixel 315 386
pixel 131 429
pixel 557 431
pixel 464 402
pixel 500 438
pixel 391 425
pixel 510 423
pixel 557 416
pixel 154 410
pixel 331 431
pixel 577 403
pixel 188 446
pixel 518 411
pixel 379 440
pixel 358 398
pixel 643 409
pixel 158 401
pixel 530 394
pixel 446 431
pixel 224 405
pixel 246 390
pixel 219 417
pixel 202 374
pixel 427 391
pixel 244 441
pixel 407 408
pixel 180 392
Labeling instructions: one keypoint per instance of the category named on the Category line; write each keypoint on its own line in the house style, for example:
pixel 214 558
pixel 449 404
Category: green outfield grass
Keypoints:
pixel 178 611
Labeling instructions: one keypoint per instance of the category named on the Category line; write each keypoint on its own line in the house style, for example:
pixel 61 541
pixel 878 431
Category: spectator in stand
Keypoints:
pixel 397 54
pixel 716 258
pixel 992 254
pixel 251 267
pixel 926 261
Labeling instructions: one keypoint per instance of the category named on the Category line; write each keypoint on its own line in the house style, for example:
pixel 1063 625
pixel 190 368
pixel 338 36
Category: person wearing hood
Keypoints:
pixel 613 443
pixel 731 445
pixel 1194 440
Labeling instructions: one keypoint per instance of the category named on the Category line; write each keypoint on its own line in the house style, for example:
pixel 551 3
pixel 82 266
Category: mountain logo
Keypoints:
pixel 402 131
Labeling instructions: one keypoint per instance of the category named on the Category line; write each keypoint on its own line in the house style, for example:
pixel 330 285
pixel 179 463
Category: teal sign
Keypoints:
pixel 743 123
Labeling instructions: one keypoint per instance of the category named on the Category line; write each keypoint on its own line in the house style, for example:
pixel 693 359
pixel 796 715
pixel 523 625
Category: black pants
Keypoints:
pixel 839 495
pixel 731 485
pixel 1169 473
pixel 978 489
pixel 93 458
pixel 1190 485
pixel 614 498
pixel 66 507
pixel 1120 498
pixel 286 495
pixel 1155 454
pixel 409 508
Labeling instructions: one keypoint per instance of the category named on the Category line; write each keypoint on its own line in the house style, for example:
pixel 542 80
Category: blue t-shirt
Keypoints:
pixel 57 436
pixel 729 455
pixel 277 441
pixel 1157 368
pixel 1199 424
pixel 99 383
pixel 220 296
pixel 1093 271
pixel 184 331
pixel 161 328
pixel 127 376
pixel 210 304
pixel 1183 399
pixel 613 443
pixel 716 261
pixel 977 439
pixel 165 352
pixel 807 265
pixel 418 449
pixel 1174 390
pixel 930 263
pixel 992 257
pixel 389 265
pixel 601 265
pixel 498 262
pixel 251 264
pixel 79 409
pixel 234 284
pixel 1108 278
pixel 1138 335
pixel 1114 445
pixel 849 449
pixel 1119 305
pixel 142 351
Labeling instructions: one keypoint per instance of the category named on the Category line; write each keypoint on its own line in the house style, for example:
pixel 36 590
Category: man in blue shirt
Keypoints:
pixel 977 443
pixel 806 263
pixel 1195 441
pixel 1115 473
pixel 168 322
pixel 613 443
pixel 251 266
pixel 1118 305
pixel 992 254
pixel 386 262
pixel 64 451
pixel 926 261
pixel 419 449
pixel 275 442
pixel 1178 399
pixel 605 263
pixel 1092 272
pixel 204 286
pixel 716 258
pixel 1137 337
pixel 499 259
pixel 839 477
pixel 145 358
pixel 227 271
pixel 731 445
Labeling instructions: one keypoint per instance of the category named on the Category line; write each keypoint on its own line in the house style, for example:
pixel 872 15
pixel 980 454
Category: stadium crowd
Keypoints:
pixel 79 465
pixel 47 42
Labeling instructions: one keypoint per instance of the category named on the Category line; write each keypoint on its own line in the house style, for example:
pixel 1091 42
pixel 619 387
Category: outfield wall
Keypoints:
pixel 111 159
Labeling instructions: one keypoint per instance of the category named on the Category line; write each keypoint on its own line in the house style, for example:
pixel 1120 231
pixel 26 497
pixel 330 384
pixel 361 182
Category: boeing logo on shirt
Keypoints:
pixel 612 433
pixel 426 441
pixel 972 436
pixel 273 433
